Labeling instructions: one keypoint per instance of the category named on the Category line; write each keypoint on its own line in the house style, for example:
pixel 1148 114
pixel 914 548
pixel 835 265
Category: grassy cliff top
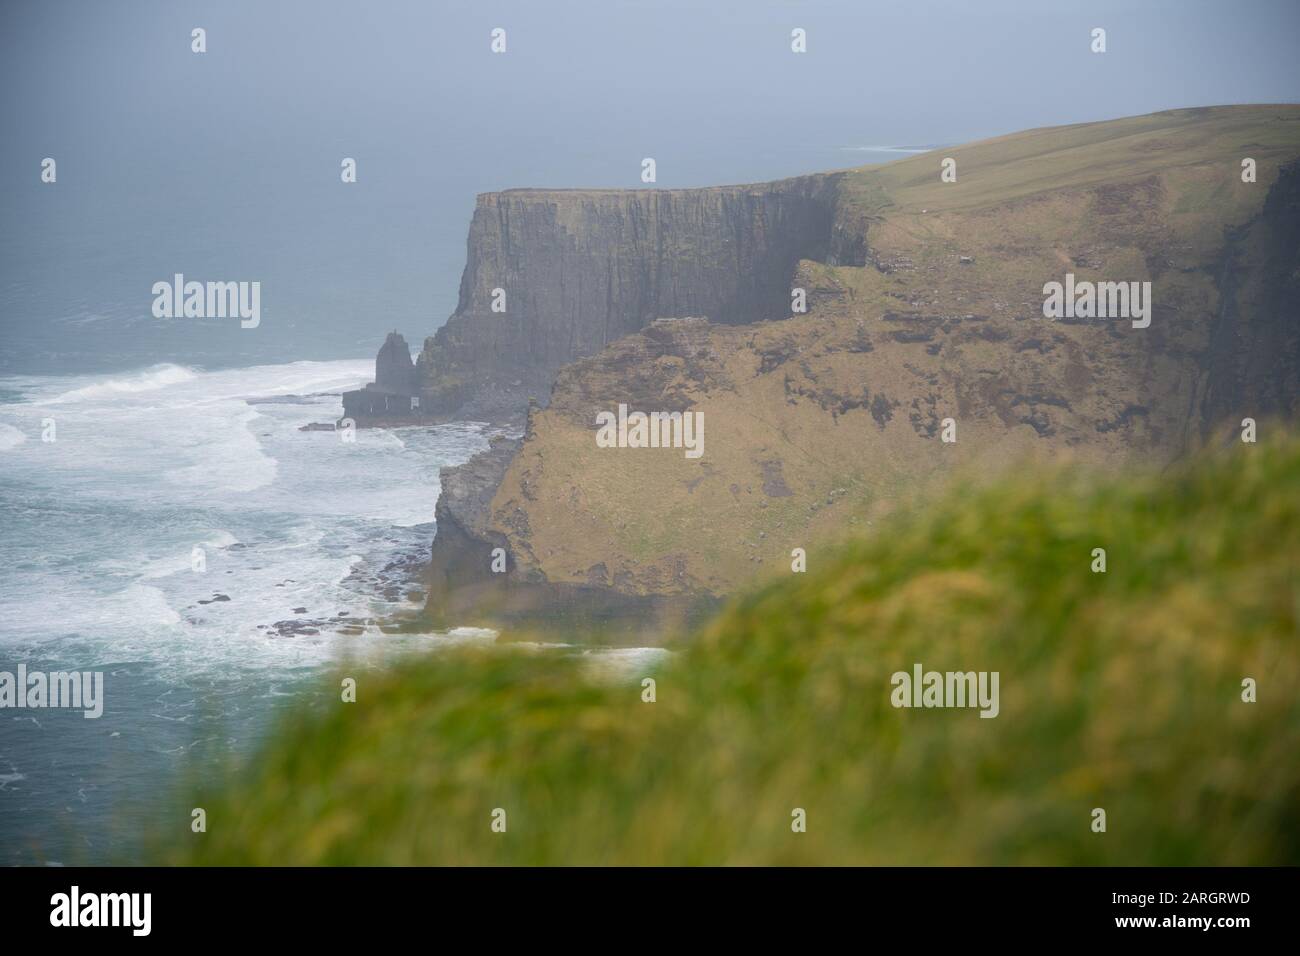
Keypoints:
pixel 1026 163
pixel 1119 690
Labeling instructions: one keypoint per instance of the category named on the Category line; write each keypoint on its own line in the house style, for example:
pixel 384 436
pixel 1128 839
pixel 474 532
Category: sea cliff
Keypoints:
pixel 923 353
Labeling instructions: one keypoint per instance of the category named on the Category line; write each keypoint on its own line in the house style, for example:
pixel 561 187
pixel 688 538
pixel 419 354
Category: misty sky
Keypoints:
pixel 225 165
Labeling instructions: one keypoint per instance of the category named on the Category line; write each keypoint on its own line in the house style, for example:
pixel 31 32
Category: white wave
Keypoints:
pixel 622 664
pixel 228 457
pixel 185 386
pixel 149 608
pixel 602 664
pixel 10 437
pixel 187 448
pixel 470 635
pixel 140 610
pixel 160 376
pixel 183 561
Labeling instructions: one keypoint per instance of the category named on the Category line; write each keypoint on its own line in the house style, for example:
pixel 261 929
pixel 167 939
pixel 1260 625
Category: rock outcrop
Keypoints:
pixel 556 275
pixel 474 579
pixel 925 319
pixel 1254 360
pixel 579 269
pixel 393 397
pixel 926 312
pixel 394 367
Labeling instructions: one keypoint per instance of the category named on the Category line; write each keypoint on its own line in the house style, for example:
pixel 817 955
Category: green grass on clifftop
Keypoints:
pixel 1119 690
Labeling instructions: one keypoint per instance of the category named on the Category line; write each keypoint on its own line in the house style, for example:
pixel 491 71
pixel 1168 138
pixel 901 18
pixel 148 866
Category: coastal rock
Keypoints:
pixel 394 367
pixel 824 421
pixel 582 268
pixel 556 275
pixel 476 579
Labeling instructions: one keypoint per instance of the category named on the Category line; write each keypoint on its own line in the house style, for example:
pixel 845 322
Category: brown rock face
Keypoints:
pixel 470 580
pixel 925 351
pixel 820 424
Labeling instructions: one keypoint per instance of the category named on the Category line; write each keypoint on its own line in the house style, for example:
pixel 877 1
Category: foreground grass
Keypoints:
pixel 1119 690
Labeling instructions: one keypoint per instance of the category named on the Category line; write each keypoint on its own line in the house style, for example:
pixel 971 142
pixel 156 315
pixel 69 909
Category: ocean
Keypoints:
pixel 306 540
pixel 303 541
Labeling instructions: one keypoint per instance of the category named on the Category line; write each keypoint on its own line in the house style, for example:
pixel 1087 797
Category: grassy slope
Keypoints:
pixel 1020 165
pixel 1147 197
pixel 1118 690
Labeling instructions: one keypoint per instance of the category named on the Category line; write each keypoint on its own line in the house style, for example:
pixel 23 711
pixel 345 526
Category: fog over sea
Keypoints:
pixel 306 541
pixel 176 434
pixel 179 433
pixel 225 165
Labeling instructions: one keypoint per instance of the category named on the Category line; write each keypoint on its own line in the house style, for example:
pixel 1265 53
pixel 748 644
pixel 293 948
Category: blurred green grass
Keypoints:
pixel 1119 690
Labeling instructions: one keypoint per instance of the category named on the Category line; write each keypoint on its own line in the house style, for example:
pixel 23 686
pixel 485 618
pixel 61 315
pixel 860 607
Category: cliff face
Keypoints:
pixel 926 307
pixel 1254 363
pixel 579 269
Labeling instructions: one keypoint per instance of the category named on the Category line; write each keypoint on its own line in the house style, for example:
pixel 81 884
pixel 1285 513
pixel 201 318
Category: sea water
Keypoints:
pixel 306 542
pixel 98 535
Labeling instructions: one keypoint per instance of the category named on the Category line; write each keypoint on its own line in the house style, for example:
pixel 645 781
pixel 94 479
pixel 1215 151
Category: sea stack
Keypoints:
pixel 393 397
